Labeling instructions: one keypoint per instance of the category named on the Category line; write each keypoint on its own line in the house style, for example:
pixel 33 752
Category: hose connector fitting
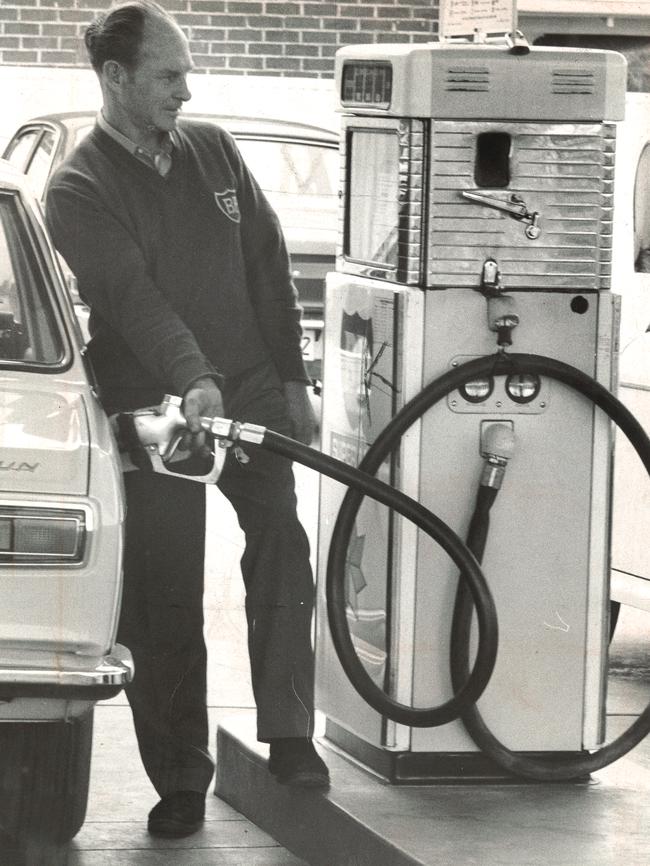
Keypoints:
pixel 502 318
pixel 231 432
pixel 497 448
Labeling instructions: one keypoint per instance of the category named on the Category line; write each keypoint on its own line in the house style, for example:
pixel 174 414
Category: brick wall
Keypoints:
pixel 259 37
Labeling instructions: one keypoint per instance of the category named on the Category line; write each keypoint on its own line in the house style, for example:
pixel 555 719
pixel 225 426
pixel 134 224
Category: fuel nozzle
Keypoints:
pixel 497 447
pixel 149 439
pixel 160 428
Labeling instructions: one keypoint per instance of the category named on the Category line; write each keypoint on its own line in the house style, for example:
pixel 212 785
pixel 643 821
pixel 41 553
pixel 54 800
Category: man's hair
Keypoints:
pixel 117 33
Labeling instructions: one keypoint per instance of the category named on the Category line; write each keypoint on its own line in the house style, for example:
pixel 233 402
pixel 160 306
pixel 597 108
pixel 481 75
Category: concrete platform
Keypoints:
pixel 364 821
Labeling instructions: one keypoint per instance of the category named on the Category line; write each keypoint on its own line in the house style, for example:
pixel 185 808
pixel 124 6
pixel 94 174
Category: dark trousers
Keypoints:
pixel 162 610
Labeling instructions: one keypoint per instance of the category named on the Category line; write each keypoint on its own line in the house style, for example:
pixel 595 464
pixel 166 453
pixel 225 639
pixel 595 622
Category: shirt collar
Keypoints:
pixel 160 160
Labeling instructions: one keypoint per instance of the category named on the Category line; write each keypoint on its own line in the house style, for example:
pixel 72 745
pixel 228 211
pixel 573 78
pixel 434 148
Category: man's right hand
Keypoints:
pixel 202 399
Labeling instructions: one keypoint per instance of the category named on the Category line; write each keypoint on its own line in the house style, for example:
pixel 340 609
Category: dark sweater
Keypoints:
pixel 181 282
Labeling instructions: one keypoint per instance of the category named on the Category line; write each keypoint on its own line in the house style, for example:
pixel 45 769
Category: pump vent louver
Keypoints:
pixel 572 81
pixel 469 78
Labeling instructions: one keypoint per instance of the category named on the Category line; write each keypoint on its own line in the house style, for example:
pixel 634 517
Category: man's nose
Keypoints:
pixel 184 92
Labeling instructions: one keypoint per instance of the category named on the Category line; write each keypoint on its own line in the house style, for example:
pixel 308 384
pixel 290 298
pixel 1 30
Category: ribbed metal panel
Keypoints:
pixel 562 172
pixel 411 195
pixel 342 188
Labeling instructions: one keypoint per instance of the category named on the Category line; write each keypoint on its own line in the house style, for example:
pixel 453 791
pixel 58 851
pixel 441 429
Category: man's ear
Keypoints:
pixel 113 73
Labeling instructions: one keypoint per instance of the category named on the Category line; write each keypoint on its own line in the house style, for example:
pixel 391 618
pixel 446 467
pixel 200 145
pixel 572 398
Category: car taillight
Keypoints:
pixel 41 535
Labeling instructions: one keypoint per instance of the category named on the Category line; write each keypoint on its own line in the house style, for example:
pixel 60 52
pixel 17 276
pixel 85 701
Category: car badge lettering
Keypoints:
pixel 228 204
pixel 18 467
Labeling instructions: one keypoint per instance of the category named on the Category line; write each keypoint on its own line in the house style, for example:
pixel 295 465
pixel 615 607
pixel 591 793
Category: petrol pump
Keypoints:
pixel 475 221
pixel 469 375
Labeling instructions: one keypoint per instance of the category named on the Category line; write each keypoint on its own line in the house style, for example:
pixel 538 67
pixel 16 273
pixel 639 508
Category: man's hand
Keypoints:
pixel 202 399
pixel 301 412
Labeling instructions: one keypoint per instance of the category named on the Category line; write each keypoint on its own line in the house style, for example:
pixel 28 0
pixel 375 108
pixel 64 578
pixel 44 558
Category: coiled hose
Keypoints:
pixel 546 770
pixel 475 682
pixel 384 445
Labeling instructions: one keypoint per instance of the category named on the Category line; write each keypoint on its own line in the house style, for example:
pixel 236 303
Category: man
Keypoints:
pixel 183 265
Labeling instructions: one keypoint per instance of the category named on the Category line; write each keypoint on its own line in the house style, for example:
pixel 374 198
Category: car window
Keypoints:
pixel 642 212
pixel 19 149
pixel 296 177
pixel 41 163
pixel 28 329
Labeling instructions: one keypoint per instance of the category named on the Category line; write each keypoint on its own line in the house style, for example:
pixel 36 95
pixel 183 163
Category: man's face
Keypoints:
pixel 153 92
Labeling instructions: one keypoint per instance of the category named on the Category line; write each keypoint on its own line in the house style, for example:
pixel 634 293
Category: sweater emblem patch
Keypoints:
pixel 228 204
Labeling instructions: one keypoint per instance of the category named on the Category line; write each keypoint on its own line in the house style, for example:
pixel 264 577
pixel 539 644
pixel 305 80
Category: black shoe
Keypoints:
pixel 178 814
pixel 294 761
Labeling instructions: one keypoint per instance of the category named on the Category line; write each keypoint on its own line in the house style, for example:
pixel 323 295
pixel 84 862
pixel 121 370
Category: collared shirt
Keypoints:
pixel 160 160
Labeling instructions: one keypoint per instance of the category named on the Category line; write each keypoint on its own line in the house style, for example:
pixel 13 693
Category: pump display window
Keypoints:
pixel 374 197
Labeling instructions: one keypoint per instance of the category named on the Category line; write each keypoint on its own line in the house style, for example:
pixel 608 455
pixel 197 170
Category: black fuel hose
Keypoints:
pixel 499 364
pixel 478 591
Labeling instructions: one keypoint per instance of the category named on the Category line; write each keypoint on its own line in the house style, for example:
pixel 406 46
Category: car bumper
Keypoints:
pixel 105 678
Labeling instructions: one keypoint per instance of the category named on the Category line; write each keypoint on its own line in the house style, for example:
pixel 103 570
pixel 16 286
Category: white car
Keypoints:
pixel 61 527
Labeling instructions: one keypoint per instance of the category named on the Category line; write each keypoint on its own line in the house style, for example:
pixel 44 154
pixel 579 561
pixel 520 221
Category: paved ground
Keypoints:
pixel 609 817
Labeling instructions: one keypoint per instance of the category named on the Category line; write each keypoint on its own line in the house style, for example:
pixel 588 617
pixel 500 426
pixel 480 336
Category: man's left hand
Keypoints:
pixel 301 412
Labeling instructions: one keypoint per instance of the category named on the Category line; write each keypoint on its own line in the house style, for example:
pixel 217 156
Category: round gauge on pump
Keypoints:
pixel 523 387
pixel 477 390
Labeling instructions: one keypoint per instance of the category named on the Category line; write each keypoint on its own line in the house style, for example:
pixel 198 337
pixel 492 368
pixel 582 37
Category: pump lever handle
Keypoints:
pixel 516 208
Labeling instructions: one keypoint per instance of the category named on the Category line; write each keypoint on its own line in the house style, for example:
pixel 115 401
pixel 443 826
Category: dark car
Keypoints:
pixel 296 165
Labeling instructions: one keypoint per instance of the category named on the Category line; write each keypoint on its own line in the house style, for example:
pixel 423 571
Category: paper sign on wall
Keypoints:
pixel 468 17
